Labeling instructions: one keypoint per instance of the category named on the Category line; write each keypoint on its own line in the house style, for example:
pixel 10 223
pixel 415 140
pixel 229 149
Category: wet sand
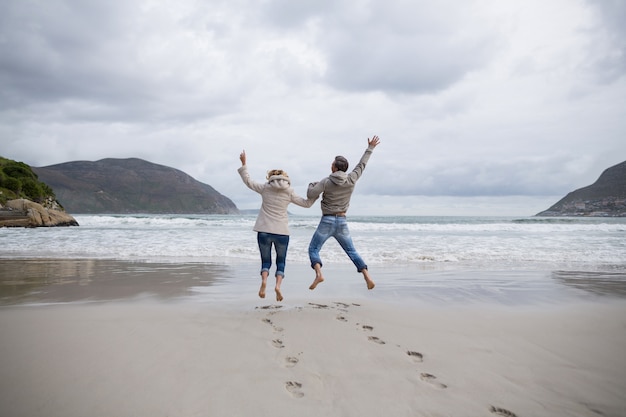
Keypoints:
pixel 147 345
pixel 41 281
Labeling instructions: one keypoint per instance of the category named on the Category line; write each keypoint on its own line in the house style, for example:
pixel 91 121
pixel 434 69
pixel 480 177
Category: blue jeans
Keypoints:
pixel 337 227
pixel 280 242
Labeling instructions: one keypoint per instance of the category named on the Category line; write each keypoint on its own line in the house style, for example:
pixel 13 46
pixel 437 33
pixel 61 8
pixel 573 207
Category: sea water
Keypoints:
pixel 596 244
pixel 451 255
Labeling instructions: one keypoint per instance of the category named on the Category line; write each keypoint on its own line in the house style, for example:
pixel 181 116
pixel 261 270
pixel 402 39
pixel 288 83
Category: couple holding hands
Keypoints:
pixel 272 222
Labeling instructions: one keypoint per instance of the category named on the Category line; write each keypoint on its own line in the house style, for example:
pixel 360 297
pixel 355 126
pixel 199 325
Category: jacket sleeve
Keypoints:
pixel 302 202
pixel 360 167
pixel 315 189
pixel 250 183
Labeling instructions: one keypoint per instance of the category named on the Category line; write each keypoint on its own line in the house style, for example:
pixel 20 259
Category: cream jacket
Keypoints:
pixel 276 195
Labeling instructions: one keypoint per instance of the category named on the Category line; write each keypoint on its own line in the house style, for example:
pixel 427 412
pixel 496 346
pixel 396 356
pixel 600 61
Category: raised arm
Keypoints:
pixel 245 177
pixel 372 143
pixel 360 166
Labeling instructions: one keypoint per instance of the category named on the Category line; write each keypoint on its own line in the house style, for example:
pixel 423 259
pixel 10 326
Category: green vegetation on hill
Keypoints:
pixel 17 180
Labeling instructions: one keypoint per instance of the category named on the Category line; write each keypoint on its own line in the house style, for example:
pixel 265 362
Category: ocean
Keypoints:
pixel 506 259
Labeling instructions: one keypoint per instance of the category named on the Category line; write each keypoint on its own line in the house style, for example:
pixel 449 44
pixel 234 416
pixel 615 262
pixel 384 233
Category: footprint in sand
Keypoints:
pixel 343 307
pixel 318 305
pixel 277 343
pixel 341 318
pixel 270 307
pixel 368 328
pixel 376 340
pixel 294 388
pixel 416 356
pixel 276 328
pixel 501 412
pixel 291 361
pixel 431 379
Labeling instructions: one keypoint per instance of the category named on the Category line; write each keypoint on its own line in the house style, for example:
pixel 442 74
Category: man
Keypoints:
pixel 336 190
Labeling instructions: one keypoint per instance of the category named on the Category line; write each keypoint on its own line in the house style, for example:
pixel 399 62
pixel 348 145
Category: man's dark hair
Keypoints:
pixel 341 163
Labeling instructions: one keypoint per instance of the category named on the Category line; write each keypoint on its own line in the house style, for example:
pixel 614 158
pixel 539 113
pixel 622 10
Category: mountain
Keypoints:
pixel 604 198
pixel 131 186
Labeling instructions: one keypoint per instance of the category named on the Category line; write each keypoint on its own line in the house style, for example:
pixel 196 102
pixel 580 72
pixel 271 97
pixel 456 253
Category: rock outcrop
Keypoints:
pixel 26 213
pixel 604 198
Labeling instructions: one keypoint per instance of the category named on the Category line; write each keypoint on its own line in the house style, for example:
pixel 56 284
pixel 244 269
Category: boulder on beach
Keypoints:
pixel 26 213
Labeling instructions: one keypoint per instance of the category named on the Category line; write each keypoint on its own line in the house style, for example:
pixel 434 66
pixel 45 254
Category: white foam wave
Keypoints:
pixel 380 241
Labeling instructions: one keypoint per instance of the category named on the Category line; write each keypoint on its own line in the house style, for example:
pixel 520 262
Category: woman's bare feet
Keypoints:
pixel 368 280
pixel 263 284
pixel 279 295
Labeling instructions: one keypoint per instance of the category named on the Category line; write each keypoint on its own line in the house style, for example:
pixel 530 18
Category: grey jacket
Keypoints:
pixel 337 188
pixel 276 195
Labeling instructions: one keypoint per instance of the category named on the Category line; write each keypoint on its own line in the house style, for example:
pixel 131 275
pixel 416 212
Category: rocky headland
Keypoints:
pixel 604 198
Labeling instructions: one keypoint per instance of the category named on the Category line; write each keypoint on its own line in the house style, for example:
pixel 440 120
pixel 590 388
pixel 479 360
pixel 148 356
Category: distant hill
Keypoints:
pixel 131 186
pixel 604 198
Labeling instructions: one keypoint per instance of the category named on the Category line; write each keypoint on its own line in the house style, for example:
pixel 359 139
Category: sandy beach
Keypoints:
pixel 311 355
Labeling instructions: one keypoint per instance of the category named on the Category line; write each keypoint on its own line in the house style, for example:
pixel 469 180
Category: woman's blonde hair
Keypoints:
pixel 272 172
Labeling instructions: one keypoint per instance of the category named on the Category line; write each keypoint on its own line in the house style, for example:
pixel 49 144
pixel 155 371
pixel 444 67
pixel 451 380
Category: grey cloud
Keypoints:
pixel 405 47
pixel 290 14
pixel 611 65
pixel 51 50
pixel 99 61
pixel 477 178
pixel 397 65
pixel 395 46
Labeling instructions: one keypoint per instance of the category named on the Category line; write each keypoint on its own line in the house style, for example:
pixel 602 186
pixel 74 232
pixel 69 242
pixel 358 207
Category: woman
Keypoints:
pixel 272 222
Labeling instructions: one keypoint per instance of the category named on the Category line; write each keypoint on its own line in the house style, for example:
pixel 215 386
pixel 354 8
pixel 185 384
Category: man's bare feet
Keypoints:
pixel 318 279
pixel 318 276
pixel 368 280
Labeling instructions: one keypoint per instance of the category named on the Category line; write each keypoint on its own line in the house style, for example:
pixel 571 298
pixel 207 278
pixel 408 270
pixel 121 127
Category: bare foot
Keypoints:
pixel 318 276
pixel 368 280
pixel 279 295
pixel 318 279
pixel 262 290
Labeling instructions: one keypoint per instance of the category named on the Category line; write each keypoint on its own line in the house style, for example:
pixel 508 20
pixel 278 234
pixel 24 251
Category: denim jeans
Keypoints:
pixel 337 227
pixel 280 242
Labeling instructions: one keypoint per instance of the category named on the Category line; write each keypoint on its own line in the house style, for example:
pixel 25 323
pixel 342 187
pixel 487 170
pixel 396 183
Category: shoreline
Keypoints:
pixel 51 281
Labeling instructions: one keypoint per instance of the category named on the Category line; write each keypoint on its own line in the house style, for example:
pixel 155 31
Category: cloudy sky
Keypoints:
pixel 483 107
